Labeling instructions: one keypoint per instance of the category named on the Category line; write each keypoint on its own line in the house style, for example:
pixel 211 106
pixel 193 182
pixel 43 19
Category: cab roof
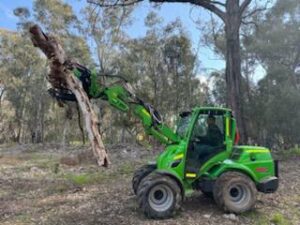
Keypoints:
pixel 212 108
pixel 207 109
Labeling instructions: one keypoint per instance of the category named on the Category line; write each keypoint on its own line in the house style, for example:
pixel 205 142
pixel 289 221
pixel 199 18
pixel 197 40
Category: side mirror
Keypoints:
pixel 297 70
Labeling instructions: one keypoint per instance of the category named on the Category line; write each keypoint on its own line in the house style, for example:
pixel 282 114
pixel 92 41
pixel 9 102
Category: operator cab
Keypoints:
pixel 207 138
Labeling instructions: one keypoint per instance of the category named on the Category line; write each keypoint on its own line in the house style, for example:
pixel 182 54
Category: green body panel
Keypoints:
pixel 257 160
pixel 171 154
pixel 95 89
pixel 165 160
pixel 116 96
pixel 77 73
pixel 246 159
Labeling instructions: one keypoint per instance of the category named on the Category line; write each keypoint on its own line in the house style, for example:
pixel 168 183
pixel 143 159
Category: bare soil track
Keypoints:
pixel 35 188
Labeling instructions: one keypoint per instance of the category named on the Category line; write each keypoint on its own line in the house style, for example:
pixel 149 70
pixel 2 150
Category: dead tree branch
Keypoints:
pixel 61 76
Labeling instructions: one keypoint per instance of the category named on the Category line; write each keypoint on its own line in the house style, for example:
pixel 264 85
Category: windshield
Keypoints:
pixel 209 127
pixel 183 124
pixel 200 128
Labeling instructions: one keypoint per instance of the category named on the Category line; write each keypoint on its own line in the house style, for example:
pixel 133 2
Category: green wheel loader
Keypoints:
pixel 200 154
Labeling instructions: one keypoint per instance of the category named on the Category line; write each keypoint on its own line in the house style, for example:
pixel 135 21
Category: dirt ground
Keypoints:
pixel 36 188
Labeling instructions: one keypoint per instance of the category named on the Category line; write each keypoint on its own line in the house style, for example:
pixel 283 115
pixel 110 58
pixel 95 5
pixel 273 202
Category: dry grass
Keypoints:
pixel 36 189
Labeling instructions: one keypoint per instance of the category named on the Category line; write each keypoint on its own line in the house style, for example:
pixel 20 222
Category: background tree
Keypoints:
pixel 276 48
pixel 161 65
pixel 160 76
pixel 231 13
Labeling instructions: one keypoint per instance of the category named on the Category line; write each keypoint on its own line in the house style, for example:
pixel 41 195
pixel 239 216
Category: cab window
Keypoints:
pixel 206 124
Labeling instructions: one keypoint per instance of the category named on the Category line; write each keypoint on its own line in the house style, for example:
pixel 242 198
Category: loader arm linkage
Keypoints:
pixel 122 98
pixel 120 95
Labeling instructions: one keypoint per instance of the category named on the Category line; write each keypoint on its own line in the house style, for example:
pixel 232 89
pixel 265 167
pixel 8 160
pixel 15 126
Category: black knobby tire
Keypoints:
pixel 235 192
pixel 159 196
pixel 139 174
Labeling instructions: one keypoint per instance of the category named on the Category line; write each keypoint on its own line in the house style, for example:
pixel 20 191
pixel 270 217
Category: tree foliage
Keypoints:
pixel 162 67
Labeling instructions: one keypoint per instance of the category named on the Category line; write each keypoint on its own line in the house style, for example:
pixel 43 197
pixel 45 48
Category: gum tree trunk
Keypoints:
pixel 233 64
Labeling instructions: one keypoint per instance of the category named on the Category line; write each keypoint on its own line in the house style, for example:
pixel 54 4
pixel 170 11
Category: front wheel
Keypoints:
pixel 159 196
pixel 140 174
pixel 235 192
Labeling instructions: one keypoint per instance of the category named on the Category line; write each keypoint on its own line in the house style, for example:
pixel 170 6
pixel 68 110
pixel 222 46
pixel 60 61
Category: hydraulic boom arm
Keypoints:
pixel 122 98
pixel 120 95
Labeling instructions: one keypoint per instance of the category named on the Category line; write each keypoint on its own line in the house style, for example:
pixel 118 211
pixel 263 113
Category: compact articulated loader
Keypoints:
pixel 229 173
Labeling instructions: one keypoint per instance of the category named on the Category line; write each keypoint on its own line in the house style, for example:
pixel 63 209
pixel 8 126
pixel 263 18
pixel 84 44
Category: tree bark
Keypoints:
pixel 233 64
pixel 90 118
pixel 61 76
pixel 37 136
pixel 80 124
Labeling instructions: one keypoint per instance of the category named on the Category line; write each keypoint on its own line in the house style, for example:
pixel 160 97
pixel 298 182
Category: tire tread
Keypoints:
pixel 222 182
pixel 140 174
pixel 144 188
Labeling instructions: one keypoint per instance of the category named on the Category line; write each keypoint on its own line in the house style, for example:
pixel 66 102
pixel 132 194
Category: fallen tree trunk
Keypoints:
pixel 61 76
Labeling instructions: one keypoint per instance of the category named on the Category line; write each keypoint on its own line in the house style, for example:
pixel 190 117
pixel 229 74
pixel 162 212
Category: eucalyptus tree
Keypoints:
pixel 162 66
pixel 231 13
pixel 276 46
pixel 24 78
pixel 21 68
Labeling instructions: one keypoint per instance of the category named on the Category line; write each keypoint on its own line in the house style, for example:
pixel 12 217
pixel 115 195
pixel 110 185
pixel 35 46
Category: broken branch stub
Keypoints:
pixel 61 76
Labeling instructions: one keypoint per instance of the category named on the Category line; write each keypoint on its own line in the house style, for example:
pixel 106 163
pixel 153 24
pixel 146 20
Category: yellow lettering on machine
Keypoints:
pixel 227 126
pixel 258 151
pixel 179 156
pixel 190 175
pixel 145 111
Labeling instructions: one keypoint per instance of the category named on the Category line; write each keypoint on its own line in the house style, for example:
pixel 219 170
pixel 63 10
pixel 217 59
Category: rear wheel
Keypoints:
pixel 159 196
pixel 139 174
pixel 235 192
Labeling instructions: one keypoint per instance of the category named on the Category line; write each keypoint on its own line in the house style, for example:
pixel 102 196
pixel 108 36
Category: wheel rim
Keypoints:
pixel 239 194
pixel 161 197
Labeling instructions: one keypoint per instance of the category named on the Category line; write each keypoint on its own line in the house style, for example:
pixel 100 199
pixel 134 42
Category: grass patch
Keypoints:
pixel 78 143
pixel 51 165
pixel 279 219
pixel 126 168
pixel 257 217
pixel 10 160
pixel 23 218
pixel 58 188
pixel 3 193
pixel 86 178
pixel 101 176
pixel 45 162
pixel 290 153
